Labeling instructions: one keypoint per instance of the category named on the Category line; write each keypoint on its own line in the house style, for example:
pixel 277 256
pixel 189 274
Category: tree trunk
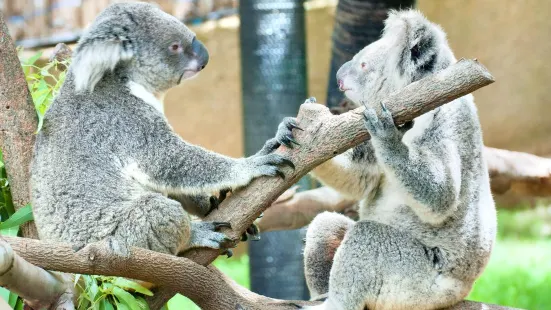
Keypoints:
pixel 274 84
pixel 18 122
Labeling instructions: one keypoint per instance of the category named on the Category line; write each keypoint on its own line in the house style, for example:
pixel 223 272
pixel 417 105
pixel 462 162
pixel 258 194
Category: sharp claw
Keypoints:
pixel 293 126
pixel 280 174
pixel 261 215
pixel 228 252
pixel 244 237
pixel 294 141
pixel 222 224
pixel 383 106
pixel 289 163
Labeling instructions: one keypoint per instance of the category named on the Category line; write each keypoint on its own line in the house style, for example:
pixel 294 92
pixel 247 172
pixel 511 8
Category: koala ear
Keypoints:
pixel 422 47
pixel 97 53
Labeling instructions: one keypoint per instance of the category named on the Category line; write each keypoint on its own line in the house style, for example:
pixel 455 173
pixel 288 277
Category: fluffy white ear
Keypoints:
pixel 94 58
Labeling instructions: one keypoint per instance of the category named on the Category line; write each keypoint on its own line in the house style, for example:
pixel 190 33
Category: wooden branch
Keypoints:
pixel 517 173
pixel 325 136
pixel 205 285
pixel 41 289
pixel 296 210
pixel 18 122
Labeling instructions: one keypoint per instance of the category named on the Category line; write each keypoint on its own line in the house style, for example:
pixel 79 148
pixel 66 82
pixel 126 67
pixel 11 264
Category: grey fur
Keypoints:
pixel 427 218
pixel 107 165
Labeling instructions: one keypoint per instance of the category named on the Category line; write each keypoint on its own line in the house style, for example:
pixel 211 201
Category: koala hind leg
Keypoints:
pixel 380 267
pixel 323 237
pixel 151 221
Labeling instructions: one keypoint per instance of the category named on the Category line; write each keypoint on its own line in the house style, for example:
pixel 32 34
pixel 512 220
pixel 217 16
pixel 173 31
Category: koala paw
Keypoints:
pixel 206 234
pixel 284 133
pixel 253 232
pixel 380 127
pixel 310 100
pixel 270 165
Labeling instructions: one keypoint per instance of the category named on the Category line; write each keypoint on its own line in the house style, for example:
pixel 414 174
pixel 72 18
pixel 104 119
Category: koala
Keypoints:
pixel 427 219
pixel 108 166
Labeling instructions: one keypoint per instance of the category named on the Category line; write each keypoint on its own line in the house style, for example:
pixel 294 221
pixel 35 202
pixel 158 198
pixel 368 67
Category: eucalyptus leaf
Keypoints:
pixel 126 298
pixel 143 304
pixel 128 284
pixel 106 305
pixel 33 59
pixel 13 300
pixel 20 217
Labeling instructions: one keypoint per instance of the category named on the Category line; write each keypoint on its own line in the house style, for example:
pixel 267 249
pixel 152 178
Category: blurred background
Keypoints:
pixel 237 102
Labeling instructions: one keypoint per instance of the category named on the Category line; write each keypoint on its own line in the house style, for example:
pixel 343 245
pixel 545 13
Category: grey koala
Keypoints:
pixel 427 217
pixel 108 166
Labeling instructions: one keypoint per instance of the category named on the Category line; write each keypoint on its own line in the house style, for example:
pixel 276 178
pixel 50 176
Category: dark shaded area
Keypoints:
pixel 274 84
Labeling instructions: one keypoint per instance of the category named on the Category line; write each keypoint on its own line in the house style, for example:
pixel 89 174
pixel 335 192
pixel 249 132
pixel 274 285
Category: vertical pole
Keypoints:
pixel 274 84
pixel 357 24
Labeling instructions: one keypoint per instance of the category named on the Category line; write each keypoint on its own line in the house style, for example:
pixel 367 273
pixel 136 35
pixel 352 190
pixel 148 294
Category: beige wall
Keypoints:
pixel 512 38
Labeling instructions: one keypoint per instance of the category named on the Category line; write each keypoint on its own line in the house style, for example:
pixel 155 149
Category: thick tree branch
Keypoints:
pixel 18 122
pixel 295 210
pixel 517 173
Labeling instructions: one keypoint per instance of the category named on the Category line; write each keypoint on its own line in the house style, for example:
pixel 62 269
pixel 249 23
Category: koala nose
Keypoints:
pixel 340 83
pixel 200 51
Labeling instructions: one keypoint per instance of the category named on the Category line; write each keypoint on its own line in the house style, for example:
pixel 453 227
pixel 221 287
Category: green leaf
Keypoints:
pixel 126 298
pixel 20 217
pixel 33 59
pixel 128 284
pixel 105 305
pixel 5 294
pixel 121 306
pixel 19 305
pixel 13 300
pixel 10 231
pixel 143 304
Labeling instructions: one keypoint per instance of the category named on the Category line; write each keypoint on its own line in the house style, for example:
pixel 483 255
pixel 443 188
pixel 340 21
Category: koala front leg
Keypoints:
pixel 429 173
pixel 185 169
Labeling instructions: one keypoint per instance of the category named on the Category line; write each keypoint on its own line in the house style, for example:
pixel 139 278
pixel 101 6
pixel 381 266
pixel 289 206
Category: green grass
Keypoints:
pixel 518 274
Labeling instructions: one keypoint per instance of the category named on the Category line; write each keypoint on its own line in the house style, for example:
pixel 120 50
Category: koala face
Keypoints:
pixel 410 48
pixel 147 45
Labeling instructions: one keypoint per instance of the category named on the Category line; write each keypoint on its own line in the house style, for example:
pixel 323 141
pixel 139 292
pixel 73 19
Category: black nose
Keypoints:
pixel 200 51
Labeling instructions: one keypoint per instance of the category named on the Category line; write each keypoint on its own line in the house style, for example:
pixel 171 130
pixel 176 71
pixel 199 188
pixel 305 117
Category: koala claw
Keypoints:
pixel 218 225
pixel 284 133
pixel 267 165
pixel 216 201
pixel 254 233
pixel 228 252
pixel 311 100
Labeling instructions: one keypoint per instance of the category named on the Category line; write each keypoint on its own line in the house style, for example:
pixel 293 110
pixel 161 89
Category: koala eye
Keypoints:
pixel 176 48
pixel 364 65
